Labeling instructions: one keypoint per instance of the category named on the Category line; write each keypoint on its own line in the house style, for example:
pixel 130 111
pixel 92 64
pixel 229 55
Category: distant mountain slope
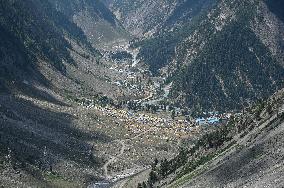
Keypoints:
pixel 216 60
pixel 94 18
pixel 140 17
pixel 185 11
pixel 144 18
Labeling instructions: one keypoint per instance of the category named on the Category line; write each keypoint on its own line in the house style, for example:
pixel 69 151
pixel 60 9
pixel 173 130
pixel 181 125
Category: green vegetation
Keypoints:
pixel 53 176
pixel 227 69
pixel 160 50
pixel 124 55
pixel 100 100
pixel 205 148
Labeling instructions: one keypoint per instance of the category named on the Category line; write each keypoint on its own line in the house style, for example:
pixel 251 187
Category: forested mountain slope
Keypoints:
pixel 225 56
pixel 233 56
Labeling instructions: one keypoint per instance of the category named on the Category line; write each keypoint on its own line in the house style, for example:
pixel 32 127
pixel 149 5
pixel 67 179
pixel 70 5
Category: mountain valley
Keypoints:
pixel 129 94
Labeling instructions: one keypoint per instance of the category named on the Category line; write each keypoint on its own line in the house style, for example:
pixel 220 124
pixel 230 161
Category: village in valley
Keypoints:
pixel 141 92
pixel 140 120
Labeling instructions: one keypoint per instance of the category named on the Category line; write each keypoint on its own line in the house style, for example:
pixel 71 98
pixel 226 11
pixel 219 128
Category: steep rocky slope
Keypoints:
pixel 256 157
pixel 57 128
pixel 246 151
pixel 45 59
pixel 41 45
pixel 25 36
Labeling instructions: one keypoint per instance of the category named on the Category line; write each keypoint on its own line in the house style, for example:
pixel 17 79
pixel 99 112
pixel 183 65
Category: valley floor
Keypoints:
pixel 66 136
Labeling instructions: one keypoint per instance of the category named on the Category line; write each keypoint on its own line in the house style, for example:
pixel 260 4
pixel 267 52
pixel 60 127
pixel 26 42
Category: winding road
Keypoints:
pixel 121 152
pixel 114 159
